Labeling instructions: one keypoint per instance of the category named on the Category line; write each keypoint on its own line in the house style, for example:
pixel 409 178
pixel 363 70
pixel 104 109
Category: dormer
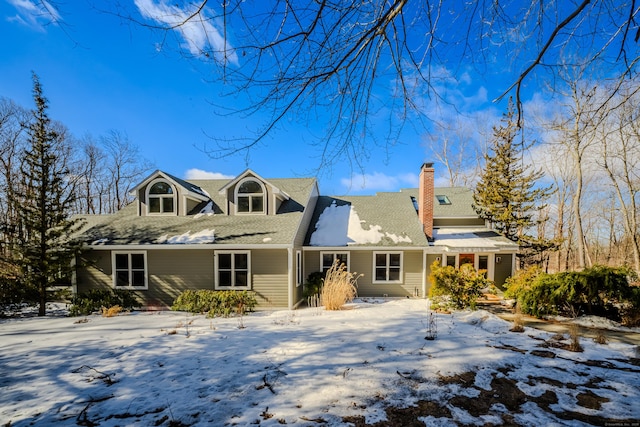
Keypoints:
pixel 162 194
pixel 250 194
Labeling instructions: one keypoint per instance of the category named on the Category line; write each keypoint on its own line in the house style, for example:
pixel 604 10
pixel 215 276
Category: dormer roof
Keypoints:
pixel 249 173
pixel 190 190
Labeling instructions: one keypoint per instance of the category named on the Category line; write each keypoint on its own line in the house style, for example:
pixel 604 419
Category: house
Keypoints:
pixel 268 235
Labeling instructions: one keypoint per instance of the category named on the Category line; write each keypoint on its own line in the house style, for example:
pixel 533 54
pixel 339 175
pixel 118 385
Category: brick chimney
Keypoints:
pixel 425 198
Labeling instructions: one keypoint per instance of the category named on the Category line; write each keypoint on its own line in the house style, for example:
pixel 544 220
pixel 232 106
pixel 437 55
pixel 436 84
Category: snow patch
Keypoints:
pixel 342 226
pixel 204 236
pixel 102 241
pixel 207 210
pixel 307 364
pixel 458 238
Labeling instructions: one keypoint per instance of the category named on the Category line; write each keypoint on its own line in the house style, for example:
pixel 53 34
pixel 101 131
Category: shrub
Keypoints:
pixel 463 286
pixel 215 303
pixel 339 287
pixel 14 293
pixel 598 290
pixel 521 282
pixel 313 285
pixel 96 299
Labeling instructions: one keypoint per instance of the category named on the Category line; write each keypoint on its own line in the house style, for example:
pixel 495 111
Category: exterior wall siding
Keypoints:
pixel 503 269
pixel 171 272
pixel 270 277
pixel 361 262
pixel 431 258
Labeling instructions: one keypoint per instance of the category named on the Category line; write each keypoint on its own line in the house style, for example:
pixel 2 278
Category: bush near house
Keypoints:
pixel 215 303
pixel 599 290
pixel 313 285
pixel 97 299
pixel 463 286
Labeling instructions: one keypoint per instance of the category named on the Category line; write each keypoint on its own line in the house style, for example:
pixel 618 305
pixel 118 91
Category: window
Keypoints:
pixel 129 270
pixel 443 200
pixel 483 262
pixel 233 270
pixel 387 267
pixel 298 268
pixel 161 198
pixel 327 259
pixel 250 197
pixel 451 260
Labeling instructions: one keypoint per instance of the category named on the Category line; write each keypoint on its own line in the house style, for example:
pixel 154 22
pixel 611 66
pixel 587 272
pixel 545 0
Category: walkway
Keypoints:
pixel 626 337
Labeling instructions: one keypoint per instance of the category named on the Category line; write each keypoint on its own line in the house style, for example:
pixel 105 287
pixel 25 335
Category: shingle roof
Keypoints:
pixel 393 214
pixel 126 227
pixel 461 202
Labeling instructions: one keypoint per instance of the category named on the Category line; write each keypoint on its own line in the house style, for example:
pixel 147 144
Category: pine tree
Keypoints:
pixel 507 194
pixel 47 251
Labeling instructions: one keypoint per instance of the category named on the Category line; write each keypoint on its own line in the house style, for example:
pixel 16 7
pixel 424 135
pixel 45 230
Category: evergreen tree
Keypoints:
pixel 47 251
pixel 507 194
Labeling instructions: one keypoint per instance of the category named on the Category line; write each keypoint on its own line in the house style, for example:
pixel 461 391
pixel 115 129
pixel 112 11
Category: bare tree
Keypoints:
pixel 578 137
pixel 455 146
pixel 620 148
pixel 13 120
pixel 345 64
pixel 125 165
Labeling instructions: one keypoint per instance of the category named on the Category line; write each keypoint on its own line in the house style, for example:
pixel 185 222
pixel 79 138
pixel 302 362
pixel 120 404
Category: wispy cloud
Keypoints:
pixel 34 14
pixel 199 33
pixel 195 173
pixel 378 181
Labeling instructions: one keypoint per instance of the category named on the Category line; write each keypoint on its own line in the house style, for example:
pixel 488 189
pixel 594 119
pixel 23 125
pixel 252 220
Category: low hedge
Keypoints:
pixel 215 303
pixel 92 301
pixel 598 290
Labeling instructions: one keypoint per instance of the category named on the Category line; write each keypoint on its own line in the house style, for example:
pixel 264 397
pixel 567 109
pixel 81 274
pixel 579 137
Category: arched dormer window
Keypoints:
pixel 161 198
pixel 250 197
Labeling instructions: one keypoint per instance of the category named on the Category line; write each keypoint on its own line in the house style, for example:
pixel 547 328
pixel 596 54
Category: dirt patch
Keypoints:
pixel 589 399
pixel 504 393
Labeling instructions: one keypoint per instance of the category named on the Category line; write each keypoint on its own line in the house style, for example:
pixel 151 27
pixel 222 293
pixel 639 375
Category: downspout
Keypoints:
pixel 424 273
pixel 291 282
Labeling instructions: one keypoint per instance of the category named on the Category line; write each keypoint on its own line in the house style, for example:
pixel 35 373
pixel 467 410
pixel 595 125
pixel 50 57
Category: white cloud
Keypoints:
pixel 199 33
pixel 36 15
pixel 378 181
pixel 195 173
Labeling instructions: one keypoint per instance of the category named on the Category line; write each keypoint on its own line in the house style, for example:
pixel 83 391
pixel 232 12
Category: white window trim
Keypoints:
pixel 387 253
pixel 217 287
pixel 174 195
pixel 114 275
pixel 263 195
pixel 334 253
pixel 299 273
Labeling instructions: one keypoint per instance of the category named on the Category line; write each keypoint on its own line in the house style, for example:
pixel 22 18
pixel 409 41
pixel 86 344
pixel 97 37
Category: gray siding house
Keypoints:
pixel 268 235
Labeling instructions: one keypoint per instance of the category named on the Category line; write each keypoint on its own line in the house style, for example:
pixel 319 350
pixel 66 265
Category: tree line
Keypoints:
pixel 46 176
pixel 571 197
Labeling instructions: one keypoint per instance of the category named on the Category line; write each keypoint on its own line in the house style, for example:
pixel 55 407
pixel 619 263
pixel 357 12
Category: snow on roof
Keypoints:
pixel 341 226
pixel 464 238
pixel 207 210
pixel 204 236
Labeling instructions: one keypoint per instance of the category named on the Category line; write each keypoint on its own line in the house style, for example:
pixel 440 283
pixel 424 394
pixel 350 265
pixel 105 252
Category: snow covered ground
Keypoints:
pixel 364 365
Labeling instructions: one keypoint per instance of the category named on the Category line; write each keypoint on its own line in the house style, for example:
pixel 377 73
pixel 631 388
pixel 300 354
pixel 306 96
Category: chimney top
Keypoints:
pixel 428 165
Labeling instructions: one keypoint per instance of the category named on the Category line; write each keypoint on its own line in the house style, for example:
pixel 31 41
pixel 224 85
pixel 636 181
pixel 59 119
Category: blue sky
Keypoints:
pixel 100 74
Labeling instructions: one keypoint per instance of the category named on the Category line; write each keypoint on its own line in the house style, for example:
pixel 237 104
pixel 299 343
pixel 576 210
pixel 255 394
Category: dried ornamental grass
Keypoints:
pixel 111 311
pixel 339 286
